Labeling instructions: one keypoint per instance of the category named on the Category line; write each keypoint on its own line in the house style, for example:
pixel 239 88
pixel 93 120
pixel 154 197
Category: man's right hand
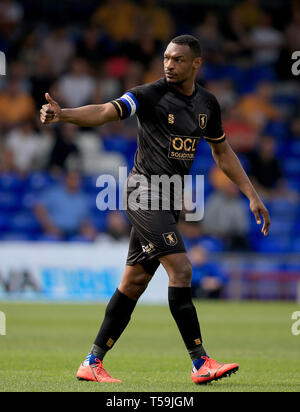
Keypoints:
pixel 50 113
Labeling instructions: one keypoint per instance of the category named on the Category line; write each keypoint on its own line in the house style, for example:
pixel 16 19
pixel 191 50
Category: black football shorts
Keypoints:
pixel 154 234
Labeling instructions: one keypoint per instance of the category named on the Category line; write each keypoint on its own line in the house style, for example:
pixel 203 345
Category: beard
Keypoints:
pixel 175 82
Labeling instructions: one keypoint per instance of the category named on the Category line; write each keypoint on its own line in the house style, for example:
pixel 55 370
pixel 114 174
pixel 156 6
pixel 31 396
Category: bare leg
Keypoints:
pixel 134 282
pixel 179 269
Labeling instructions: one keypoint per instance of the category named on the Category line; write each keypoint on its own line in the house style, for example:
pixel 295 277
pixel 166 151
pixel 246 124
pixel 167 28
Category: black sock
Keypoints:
pixel 185 316
pixel 117 316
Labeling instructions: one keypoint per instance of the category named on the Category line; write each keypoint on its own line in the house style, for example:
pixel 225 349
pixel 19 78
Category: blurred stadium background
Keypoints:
pixel 54 242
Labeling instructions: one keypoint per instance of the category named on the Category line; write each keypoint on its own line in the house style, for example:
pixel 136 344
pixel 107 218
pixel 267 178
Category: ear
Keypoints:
pixel 197 63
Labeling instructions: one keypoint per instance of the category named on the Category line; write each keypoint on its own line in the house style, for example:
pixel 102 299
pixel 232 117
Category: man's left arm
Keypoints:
pixel 229 163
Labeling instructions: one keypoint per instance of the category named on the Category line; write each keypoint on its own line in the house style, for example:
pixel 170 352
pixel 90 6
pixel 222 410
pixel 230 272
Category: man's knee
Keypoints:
pixel 182 276
pixel 134 285
pixel 179 269
pixel 138 284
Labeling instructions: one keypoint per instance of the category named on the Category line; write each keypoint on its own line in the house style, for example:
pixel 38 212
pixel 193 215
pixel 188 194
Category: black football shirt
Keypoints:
pixel 170 126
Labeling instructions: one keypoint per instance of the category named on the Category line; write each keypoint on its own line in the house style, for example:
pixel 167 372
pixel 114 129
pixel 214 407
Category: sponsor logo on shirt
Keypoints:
pixel 171 119
pixel 183 147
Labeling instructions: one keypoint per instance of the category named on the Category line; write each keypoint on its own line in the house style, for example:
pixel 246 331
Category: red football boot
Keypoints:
pixel 95 373
pixel 212 370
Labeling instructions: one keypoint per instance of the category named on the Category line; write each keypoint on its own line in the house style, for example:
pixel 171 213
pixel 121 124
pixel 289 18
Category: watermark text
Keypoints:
pixel 160 192
pixel 296 325
pixel 2 323
pixel 2 64
pixel 296 64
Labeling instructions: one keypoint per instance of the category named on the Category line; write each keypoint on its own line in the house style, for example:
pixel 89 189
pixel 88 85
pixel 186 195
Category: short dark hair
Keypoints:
pixel 191 41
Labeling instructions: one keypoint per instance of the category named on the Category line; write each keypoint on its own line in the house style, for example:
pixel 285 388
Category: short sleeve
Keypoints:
pixel 126 105
pixel 140 99
pixel 214 130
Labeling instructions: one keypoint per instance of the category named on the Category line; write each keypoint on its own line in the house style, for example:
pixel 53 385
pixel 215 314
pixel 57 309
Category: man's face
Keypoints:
pixel 73 181
pixel 180 64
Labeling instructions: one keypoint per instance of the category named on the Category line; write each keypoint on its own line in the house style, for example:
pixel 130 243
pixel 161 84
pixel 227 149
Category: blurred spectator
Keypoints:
pixel 257 108
pixel 41 79
pixel 7 161
pixel 118 227
pixel 18 73
pixel 24 143
pixel 76 87
pixel 117 18
pixel 292 31
pixel 30 50
pixel 250 13
pixel 11 14
pixel 208 280
pixel 191 231
pixel 241 135
pixel 63 211
pixel 226 216
pixel 117 66
pixel 155 70
pixel 15 105
pixel 265 171
pixel 59 49
pixel 143 45
pixel 133 76
pixel 88 47
pixel 224 92
pixel 64 150
pixel 235 35
pixel 295 129
pixel 99 95
pixel 107 87
pixel 265 41
pixel 159 19
pixel 211 39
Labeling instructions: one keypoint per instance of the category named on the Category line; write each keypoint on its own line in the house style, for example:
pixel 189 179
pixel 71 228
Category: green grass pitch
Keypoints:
pixel 45 343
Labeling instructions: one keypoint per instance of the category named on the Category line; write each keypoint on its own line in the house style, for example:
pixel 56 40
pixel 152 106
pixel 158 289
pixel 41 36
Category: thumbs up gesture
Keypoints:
pixel 50 113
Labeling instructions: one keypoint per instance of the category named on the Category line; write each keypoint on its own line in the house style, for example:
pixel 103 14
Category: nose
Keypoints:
pixel 169 64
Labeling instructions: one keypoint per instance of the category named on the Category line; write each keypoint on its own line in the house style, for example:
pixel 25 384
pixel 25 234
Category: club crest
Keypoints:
pixel 170 238
pixel 203 120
